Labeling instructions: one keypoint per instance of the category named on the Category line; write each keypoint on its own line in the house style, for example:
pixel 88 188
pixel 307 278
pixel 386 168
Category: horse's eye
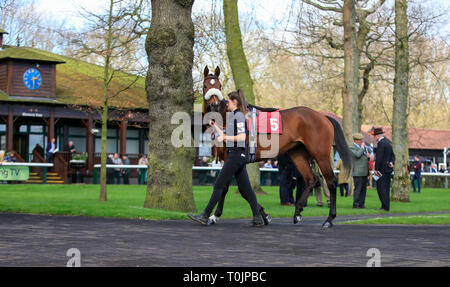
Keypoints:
pixel 204 86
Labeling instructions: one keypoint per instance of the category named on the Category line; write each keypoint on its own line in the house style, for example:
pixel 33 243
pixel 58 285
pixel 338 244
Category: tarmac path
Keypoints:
pixel 43 240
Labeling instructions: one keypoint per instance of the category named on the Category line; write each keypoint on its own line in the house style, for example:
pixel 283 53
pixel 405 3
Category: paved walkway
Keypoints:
pixel 40 240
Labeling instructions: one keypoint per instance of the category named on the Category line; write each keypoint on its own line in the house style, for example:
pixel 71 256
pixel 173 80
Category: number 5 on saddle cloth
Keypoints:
pixel 261 123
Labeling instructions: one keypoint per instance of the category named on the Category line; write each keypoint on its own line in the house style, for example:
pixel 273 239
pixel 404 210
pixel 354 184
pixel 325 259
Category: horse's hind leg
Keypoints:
pixel 327 172
pixel 302 159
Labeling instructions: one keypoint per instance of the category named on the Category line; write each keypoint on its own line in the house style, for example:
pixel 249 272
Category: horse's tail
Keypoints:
pixel 341 144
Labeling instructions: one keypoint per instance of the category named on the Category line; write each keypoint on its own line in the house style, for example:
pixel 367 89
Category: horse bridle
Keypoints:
pixel 213 106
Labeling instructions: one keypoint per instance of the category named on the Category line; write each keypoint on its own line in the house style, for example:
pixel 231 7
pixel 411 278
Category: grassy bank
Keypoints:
pixel 127 201
pixel 409 219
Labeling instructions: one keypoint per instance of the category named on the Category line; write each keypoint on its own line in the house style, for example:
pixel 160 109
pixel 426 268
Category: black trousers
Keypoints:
pixel 359 194
pixel 234 166
pixel 50 157
pixel 416 178
pixel 126 179
pixel 287 184
pixel 109 176
pixel 116 176
pixel 343 186
pixel 383 189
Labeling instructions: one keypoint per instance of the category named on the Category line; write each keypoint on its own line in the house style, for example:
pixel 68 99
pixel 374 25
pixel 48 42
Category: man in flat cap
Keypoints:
pixel 360 170
pixel 384 166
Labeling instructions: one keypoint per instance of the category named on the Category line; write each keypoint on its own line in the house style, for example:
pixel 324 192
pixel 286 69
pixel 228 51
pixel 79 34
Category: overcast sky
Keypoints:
pixel 265 11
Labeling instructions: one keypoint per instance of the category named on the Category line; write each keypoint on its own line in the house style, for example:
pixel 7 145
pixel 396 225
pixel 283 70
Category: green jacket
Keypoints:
pixel 360 161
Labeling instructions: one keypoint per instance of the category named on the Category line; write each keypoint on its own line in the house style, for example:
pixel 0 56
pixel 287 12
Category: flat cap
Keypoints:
pixel 357 136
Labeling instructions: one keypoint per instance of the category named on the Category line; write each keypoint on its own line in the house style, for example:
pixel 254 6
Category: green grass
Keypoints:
pixel 127 201
pixel 410 219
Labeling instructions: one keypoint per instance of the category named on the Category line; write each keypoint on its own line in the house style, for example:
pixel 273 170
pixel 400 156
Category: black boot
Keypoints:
pixel 201 218
pixel 258 221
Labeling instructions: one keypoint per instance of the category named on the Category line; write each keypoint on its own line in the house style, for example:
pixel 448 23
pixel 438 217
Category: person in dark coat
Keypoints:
pixel 417 168
pixel 109 171
pixel 290 178
pixel 50 150
pixel 384 166
pixel 125 171
pixel 38 148
pixel 286 170
pixel 70 147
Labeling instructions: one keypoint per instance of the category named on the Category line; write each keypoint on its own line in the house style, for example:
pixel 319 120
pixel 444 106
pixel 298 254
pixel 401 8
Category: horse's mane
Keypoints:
pixel 250 107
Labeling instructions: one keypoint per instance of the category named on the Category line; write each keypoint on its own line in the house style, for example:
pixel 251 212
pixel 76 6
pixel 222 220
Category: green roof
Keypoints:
pixel 23 53
pixel 3 31
pixel 81 83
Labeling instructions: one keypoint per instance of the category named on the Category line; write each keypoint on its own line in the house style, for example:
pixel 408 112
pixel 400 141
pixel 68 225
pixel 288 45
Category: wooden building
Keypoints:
pixel 45 95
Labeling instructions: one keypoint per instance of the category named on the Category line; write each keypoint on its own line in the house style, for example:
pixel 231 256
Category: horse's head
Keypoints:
pixel 212 90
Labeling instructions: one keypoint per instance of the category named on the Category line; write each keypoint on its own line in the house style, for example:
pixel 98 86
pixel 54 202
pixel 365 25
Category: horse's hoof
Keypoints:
pixel 212 220
pixel 327 224
pixel 298 219
pixel 267 219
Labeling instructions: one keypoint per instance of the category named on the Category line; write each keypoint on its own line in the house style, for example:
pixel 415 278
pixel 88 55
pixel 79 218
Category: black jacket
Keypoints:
pixel 384 155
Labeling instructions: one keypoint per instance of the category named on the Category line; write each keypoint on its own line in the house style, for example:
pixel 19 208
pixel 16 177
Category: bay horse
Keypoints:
pixel 306 135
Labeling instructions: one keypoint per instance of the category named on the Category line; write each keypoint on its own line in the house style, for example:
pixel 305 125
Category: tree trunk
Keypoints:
pixel 169 86
pixel 106 80
pixel 240 71
pixel 400 186
pixel 350 119
pixel 103 170
pixel 361 40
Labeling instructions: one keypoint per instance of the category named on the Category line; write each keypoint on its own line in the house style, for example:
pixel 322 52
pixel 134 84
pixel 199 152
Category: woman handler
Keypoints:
pixel 236 133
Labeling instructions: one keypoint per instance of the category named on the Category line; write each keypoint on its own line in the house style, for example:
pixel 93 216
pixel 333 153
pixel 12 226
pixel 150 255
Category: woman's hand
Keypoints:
pixel 221 138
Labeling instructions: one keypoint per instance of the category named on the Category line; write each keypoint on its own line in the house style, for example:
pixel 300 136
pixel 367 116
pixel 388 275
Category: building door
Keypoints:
pixel 2 137
pixel 28 137
pixel 20 144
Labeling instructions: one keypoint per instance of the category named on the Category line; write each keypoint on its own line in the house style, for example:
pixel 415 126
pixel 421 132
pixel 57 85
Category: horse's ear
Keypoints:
pixel 217 71
pixel 206 72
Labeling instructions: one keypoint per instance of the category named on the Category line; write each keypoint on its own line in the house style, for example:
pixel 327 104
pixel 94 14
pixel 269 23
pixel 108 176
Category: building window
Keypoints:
pixel 112 144
pixel 78 136
pixel 2 142
pixel 132 141
pixel 36 129
pixel 146 141
pixel 2 137
pixel 23 129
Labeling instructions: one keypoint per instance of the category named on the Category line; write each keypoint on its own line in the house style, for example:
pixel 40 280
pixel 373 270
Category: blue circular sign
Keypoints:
pixel 32 79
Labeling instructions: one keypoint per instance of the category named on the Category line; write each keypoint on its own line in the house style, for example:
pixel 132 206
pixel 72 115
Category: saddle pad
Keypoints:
pixel 268 123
